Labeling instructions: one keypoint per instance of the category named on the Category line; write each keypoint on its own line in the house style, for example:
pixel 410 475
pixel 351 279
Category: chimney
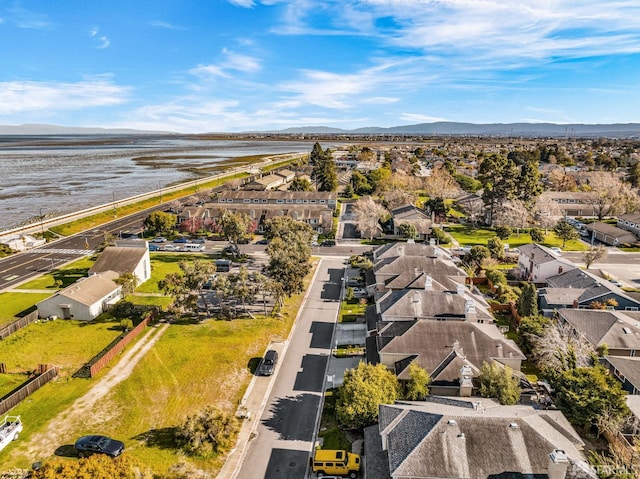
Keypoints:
pixel 466 381
pixel 558 464
pixel 575 303
pixel 428 282
pixel 470 311
pixel 401 250
pixel 460 289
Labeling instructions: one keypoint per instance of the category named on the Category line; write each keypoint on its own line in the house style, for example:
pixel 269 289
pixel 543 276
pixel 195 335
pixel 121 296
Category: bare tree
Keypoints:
pixel 441 184
pixel 368 214
pixel 560 181
pixel 559 348
pixel 609 194
pixel 547 212
pixel 593 254
pixel 513 213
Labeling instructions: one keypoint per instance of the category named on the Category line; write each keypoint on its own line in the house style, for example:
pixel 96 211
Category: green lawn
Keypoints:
pixel 8 382
pixel 161 265
pixel 161 301
pixel 64 343
pixel 68 275
pixel 468 236
pixel 15 305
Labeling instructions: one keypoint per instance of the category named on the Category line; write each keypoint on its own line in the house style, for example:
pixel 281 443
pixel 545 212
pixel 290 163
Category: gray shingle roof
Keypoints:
pixel 432 342
pixel 92 289
pixel 437 440
pixel 603 327
pixel 628 366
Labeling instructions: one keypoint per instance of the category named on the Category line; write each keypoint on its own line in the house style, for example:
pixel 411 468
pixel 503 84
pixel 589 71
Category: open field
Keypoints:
pixel 163 264
pixel 192 365
pixel 64 343
pixel 15 305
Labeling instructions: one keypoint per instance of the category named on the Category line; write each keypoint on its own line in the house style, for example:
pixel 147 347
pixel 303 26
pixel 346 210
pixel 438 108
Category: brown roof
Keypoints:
pixel 121 260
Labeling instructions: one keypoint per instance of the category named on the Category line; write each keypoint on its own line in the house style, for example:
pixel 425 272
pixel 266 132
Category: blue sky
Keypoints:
pixel 227 66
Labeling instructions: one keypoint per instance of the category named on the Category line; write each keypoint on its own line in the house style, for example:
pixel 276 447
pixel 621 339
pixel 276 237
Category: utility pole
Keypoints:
pixel 41 224
pixel 115 209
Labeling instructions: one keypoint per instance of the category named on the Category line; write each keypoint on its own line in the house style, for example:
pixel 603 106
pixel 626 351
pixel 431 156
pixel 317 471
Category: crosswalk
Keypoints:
pixel 76 252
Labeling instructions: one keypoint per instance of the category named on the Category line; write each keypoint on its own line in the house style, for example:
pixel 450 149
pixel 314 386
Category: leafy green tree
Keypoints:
pixel 537 235
pixel 361 185
pixel 503 232
pixel 408 230
pixel 363 390
pixel 528 300
pixel 323 169
pixel 634 174
pixel 209 432
pixel 565 231
pixel 498 176
pixel 289 253
pixel 417 388
pixel 499 382
pixel 529 187
pixel 98 466
pixel 235 226
pixel 583 394
pixel 126 324
pixel 532 327
pixel 348 191
pixel 244 288
pixel 496 247
pixel 593 254
pixel 160 222
pixel 378 178
pixel 478 253
pixel 440 236
pixel 129 283
pixel 300 184
pixel 185 286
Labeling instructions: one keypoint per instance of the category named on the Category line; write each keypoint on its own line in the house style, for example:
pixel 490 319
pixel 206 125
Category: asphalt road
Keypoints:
pixel 617 264
pixel 286 431
pixel 21 267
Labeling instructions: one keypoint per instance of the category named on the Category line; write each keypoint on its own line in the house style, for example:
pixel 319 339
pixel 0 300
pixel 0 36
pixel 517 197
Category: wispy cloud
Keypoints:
pixel 231 61
pixel 243 3
pixel 165 25
pixel 23 18
pixel 104 41
pixel 476 31
pixel 17 97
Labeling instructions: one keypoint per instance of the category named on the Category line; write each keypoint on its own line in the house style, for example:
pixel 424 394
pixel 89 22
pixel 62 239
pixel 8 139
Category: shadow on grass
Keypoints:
pixel 253 364
pixel 163 438
pixel 68 450
pixel 29 310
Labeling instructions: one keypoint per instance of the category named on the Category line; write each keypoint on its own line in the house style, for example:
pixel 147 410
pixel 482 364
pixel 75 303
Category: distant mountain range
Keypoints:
pixel 441 128
pixel 43 129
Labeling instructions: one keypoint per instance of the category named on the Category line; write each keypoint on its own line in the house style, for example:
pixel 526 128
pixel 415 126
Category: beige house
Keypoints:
pixel 125 259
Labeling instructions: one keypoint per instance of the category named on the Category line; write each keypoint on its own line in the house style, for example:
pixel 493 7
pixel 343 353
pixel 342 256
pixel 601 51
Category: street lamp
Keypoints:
pixel 41 224
pixel 160 187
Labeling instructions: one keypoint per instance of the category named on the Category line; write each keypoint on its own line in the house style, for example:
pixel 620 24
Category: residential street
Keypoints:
pixel 285 434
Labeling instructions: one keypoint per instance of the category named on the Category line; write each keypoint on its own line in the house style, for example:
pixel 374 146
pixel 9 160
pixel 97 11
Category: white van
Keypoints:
pixel 193 247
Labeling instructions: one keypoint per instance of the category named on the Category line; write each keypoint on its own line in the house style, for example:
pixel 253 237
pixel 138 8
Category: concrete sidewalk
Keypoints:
pixel 250 411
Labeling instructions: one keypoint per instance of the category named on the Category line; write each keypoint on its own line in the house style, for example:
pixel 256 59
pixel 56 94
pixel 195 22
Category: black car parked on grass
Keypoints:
pixel 88 445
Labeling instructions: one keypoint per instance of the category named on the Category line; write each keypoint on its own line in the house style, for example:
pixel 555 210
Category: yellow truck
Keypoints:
pixel 331 462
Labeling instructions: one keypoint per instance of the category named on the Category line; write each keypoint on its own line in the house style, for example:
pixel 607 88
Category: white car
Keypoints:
pixel 359 292
pixel 557 251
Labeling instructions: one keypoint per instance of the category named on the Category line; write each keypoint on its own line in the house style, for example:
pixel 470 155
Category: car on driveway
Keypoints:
pixel 328 243
pixel 557 251
pixel 95 444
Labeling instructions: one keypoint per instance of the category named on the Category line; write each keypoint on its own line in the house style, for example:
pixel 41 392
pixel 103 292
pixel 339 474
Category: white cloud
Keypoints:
pixel 17 96
pixel 420 118
pixel 104 41
pixel 164 25
pixel 242 3
pixel 23 18
pixel 231 61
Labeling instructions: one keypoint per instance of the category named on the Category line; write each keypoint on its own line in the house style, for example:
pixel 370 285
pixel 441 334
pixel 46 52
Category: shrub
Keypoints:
pixel 440 236
pixel 211 431
pixel 537 235
pixel 503 232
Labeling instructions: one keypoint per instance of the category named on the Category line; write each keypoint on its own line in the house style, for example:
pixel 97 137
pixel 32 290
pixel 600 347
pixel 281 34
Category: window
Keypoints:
pixel 631 308
pixel 289 200
pixel 246 200
pixel 264 201
pixel 298 201
pixel 256 200
pixel 322 202
pixel 313 201
pixel 279 201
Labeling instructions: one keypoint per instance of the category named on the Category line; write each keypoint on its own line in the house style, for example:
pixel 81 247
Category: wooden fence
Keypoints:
pixel 15 397
pixel 19 324
pixel 100 363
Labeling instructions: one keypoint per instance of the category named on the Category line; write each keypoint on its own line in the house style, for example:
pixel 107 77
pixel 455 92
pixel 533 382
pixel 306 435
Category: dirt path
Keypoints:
pixel 83 411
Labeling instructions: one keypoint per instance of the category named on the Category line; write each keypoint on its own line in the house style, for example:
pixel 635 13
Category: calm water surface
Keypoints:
pixel 53 175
